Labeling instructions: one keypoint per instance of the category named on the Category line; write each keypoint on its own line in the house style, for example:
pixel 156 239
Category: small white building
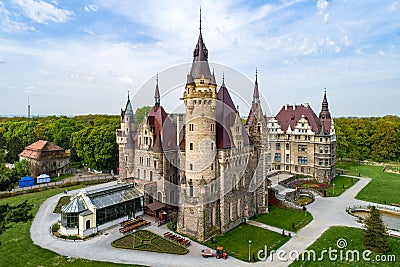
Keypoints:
pixel 91 211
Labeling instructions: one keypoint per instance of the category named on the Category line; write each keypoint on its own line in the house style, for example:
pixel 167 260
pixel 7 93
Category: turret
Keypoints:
pixel 325 114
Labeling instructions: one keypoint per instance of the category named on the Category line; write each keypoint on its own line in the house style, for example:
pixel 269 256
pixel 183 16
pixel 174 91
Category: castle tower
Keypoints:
pixel 200 99
pixel 325 114
pixel 125 139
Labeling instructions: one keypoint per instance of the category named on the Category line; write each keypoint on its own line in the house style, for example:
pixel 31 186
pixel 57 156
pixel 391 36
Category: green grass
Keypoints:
pixel 16 247
pixel 149 241
pixel 283 218
pixel 304 200
pixel 383 186
pixel 342 183
pixel 354 238
pixel 236 241
pixel 64 200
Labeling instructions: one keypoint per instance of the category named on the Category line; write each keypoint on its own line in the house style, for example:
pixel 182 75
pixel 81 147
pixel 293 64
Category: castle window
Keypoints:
pixel 302 148
pixel 302 160
pixel 191 127
pixel 212 146
pixel 212 127
pixel 287 158
pixel 191 190
pixel 259 128
pixel 277 146
pixel 138 173
pixel 199 102
pixel 320 139
pixel 148 162
pixel 144 174
pixel 287 167
pixel 277 157
pixel 287 146
pixel 321 150
pixel 194 102
pixel 191 146
pixel 146 140
pixel 213 216
pixel 326 149
pixel 297 137
pixel 302 169
pixel 151 176
pixel 212 166
pixel 155 164
pixel 321 162
pixel 238 208
pixel 191 166
pixel 327 162
pixel 296 169
pixel 201 81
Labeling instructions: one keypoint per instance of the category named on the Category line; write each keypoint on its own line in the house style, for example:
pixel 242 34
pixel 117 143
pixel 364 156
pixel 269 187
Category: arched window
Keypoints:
pixel 159 196
pixel 259 127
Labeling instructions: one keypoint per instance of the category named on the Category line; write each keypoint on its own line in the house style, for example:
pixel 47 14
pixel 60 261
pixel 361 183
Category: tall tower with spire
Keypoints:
pixel 200 99
pixel 125 140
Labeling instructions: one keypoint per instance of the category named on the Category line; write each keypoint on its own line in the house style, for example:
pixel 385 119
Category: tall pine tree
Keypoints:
pixel 375 236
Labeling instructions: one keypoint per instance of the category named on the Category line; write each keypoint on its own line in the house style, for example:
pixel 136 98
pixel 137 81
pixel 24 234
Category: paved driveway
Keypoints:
pixel 326 212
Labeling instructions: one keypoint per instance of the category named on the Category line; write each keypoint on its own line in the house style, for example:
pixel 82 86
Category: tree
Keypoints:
pixel 8 178
pixel 18 213
pixel 141 113
pixel 22 167
pixel 375 236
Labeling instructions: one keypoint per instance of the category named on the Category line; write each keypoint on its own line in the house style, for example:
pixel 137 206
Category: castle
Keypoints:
pixel 210 165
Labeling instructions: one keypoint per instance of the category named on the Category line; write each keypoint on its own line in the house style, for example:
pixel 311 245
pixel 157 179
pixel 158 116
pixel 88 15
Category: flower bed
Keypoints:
pixel 149 241
pixel 308 184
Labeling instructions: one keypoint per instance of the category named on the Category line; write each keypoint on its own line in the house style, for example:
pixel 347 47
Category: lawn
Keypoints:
pixel 354 238
pixel 16 247
pixel 149 241
pixel 62 177
pixel 383 187
pixel 341 183
pixel 236 241
pixel 64 200
pixel 284 218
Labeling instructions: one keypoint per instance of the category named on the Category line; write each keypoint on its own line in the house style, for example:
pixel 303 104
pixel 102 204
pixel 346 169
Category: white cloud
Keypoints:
pixel 8 24
pixel 43 12
pixel 322 5
pixel 381 52
pixel 91 8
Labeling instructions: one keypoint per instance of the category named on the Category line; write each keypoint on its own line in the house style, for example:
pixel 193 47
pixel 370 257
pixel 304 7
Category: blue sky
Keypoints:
pixel 79 57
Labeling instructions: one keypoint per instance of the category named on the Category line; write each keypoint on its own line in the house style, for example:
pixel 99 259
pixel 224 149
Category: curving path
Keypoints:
pixel 326 212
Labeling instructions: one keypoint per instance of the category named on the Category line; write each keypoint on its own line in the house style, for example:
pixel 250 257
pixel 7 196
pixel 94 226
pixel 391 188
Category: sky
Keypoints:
pixel 82 56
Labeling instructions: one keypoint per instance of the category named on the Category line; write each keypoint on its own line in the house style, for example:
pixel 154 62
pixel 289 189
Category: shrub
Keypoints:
pixel 172 224
pixel 55 227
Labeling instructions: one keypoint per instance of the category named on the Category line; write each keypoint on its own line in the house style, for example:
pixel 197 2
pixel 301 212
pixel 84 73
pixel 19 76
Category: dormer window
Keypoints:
pixel 201 81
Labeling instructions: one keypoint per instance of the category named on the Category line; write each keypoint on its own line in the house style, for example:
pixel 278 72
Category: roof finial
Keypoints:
pixel 200 19
pixel 223 78
pixel 157 78
pixel 256 75
pixel 157 93
pixel 128 94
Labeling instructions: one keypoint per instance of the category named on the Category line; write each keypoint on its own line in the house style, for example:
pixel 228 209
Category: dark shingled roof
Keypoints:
pixel 290 116
pixel 226 115
pixel 162 125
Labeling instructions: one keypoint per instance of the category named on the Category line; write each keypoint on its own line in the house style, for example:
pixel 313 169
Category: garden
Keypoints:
pixel 354 241
pixel 236 241
pixel 148 241
pixel 64 200
pixel 16 247
pixel 285 218
pixel 337 186
pixel 383 188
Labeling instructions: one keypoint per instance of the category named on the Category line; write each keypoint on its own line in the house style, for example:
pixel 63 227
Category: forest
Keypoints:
pixel 90 139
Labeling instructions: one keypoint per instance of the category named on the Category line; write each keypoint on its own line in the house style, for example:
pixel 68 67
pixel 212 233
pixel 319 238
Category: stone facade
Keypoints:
pixel 210 165
pixel 303 143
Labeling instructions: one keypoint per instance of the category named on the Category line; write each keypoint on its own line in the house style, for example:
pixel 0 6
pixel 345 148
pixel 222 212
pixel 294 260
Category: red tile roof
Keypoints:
pixel 290 116
pixel 162 125
pixel 43 150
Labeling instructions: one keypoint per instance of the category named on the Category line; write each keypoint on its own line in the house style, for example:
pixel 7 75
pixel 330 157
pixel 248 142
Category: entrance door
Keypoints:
pixel 87 224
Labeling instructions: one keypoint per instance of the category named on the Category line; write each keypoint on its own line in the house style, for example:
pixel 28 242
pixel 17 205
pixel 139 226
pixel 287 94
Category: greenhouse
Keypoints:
pixel 91 211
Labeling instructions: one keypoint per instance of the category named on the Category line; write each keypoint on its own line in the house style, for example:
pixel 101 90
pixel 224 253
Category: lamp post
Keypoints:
pixel 249 249
pixel 333 188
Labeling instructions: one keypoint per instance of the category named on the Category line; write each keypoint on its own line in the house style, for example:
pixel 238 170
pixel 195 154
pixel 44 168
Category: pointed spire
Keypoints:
pixel 200 58
pixel 256 94
pixel 213 81
pixel 223 79
pixel 325 114
pixel 157 94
